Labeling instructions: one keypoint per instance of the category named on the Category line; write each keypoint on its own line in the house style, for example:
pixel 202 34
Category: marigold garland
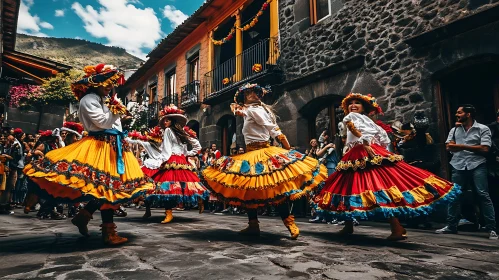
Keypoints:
pixel 225 81
pixel 115 106
pixel 257 68
pixel 246 27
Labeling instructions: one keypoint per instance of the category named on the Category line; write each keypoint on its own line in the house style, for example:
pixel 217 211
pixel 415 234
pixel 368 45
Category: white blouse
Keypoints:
pixel 95 116
pixel 154 161
pixel 258 125
pixel 371 132
pixel 171 146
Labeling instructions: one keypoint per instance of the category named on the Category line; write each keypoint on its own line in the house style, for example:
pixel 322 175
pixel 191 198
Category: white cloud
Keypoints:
pixel 46 25
pixel 122 24
pixel 59 13
pixel 176 17
pixel 30 24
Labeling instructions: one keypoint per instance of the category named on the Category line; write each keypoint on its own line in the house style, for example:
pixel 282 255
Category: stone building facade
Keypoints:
pixel 413 55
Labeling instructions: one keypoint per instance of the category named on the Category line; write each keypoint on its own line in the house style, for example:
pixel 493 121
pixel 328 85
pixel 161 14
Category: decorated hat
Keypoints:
pixel 191 132
pixel 260 92
pixel 44 134
pixel 369 102
pixel 73 127
pixel 155 134
pixel 172 112
pixel 95 76
pixel 18 131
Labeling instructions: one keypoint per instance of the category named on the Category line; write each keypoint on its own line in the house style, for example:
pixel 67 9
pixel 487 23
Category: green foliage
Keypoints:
pixel 57 90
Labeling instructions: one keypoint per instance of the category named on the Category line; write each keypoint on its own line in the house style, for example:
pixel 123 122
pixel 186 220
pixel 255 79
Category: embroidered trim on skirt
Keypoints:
pixel 263 177
pixel 382 189
pixel 87 170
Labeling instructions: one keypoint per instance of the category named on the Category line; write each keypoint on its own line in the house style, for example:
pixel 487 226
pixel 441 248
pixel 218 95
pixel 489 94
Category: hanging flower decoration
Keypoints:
pixel 246 27
pixel 257 68
pixel 225 81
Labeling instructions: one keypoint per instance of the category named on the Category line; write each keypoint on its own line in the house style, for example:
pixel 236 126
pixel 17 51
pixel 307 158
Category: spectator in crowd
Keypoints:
pixel 240 150
pixel 314 148
pixel 214 150
pixel 493 164
pixel 469 142
pixel 16 166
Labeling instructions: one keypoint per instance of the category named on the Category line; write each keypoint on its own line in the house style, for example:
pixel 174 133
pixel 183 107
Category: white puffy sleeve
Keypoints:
pixel 262 117
pixel 381 138
pixel 92 108
pixel 167 146
pixel 196 147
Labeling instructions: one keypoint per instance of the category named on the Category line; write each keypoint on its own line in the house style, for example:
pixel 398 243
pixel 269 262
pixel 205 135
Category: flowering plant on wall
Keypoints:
pixel 139 120
pixel 21 96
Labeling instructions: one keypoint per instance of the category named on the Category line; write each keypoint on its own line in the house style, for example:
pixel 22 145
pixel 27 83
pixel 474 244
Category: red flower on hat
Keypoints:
pixel 18 131
pixel 172 109
pixel 74 126
pixel 46 133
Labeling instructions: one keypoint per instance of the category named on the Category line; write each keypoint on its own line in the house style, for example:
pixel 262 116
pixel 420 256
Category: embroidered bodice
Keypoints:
pixel 371 132
pixel 95 116
pixel 258 125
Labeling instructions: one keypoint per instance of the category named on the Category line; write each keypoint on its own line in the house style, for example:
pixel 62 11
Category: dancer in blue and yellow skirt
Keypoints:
pixel 99 168
pixel 372 182
pixel 264 175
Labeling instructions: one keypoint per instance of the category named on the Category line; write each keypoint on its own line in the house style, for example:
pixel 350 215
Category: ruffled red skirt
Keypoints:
pixel 176 182
pixel 382 186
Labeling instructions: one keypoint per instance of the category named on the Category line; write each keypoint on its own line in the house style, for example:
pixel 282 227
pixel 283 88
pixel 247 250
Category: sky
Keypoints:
pixel 135 25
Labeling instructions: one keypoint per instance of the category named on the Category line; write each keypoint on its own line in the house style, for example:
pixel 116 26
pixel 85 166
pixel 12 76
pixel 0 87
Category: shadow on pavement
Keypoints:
pixel 56 243
pixel 363 240
pixel 225 235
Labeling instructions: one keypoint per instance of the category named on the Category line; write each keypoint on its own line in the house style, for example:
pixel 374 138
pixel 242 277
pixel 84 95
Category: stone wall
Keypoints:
pixel 376 29
pixel 31 122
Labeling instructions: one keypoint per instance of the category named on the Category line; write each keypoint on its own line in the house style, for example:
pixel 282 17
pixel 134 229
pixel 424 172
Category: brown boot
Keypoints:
pixel 289 222
pixel 110 236
pixel 253 229
pixel 398 232
pixel 81 221
pixel 147 214
pixel 201 206
pixel 169 217
pixel 347 229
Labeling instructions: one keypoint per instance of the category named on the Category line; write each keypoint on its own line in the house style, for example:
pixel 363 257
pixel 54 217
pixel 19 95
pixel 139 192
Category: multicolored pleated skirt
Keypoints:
pixel 87 170
pixel 381 187
pixel 176 182
pixel 265 176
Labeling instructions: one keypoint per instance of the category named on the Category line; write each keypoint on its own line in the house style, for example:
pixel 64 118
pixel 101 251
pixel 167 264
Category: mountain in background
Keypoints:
pixel 75 52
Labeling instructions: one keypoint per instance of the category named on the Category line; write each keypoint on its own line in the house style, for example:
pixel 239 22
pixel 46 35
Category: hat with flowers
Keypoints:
pixel 173 112
pixel 95 76
pixel 259 90
pixel 368 101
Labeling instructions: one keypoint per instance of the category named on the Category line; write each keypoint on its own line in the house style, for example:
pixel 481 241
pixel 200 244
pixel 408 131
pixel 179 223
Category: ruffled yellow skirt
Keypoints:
pixel 87 169
pixel 262 177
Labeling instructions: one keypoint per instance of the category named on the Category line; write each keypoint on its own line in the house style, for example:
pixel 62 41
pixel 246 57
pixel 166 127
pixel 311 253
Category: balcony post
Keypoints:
pixel 239 47
pixel 274 33
pixel 211 56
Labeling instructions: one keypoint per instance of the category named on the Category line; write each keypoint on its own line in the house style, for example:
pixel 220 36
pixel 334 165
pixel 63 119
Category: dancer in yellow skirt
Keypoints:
pixel 100 167
pixel 264 175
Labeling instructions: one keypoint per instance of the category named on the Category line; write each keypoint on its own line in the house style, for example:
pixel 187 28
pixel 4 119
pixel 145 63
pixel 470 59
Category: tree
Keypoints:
pixel 57 90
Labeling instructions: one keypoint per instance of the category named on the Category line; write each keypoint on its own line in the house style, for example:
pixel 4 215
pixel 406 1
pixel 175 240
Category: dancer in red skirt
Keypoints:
pixel 371 182
pixel 176 181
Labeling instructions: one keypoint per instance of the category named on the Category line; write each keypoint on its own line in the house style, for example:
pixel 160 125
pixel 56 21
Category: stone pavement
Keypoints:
pixel 208 247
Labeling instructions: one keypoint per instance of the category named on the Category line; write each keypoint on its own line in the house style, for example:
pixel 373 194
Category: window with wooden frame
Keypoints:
pixel 153 93
pixel 170 83
pixel 193 68
pixel 319 10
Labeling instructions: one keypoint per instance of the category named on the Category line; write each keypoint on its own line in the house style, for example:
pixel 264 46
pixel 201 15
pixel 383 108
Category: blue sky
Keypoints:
pixel 136 25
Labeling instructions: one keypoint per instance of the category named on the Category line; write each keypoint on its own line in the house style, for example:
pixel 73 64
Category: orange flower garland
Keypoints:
pixel 225 81
pixel 257 68
pixel 247 27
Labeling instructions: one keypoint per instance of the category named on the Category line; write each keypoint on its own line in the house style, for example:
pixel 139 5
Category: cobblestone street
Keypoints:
pixel 208 247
